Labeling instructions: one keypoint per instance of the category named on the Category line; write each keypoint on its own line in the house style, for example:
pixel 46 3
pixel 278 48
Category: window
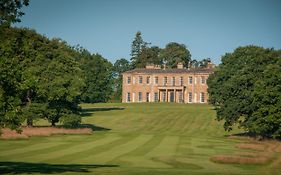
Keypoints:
pixel 140 96
pixel 147 97
pixel 203 80
pixel 174 81
pixel 165 81
pixel 180 97
pixel 147 80
pixel 129 80
pixel 128 97
pixel 155 97
pixel 190 97
pixel 164 97
pixel 190 80
pixel 156 80
pixel 140 79
pixel 181 81
pixel 202 97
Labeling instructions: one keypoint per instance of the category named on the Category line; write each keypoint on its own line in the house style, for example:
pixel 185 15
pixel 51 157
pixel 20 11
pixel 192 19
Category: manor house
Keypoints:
pixel 156 84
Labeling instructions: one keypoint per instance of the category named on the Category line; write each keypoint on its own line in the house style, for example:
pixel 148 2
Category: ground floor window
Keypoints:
pixel 155 97
pixel 180 97
pixel 190 97
pixel 164 97
pixel 147 97
pixel 128 97
pixel 140 96
pixel 202 97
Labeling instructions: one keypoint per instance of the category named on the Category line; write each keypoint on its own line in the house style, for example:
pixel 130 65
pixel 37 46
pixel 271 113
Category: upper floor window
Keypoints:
pixel 147 80
pixel 203 80
pixel 165 81
pixel 190 80
pixel 181 81
pixel 156 80
pixel 129 80
pixel 140 79
pixel 174 81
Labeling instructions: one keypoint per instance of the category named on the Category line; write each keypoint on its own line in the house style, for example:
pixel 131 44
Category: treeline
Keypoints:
pixel 47 78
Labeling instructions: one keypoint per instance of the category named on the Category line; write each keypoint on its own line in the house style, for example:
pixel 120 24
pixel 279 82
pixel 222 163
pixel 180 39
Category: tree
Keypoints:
pixel 60 84
pixel 10 11
pixel 245 90
pixel 120 66
pixel 98 79
pixel 137 45
pixel 40 78
pixel 150 55
pixel 175 53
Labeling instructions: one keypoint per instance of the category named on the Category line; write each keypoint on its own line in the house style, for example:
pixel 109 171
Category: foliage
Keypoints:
pixel 245 89
pixel 200 64
pixel 136 49
pixel 98 78
pixel 120 66
pixel 175 53
pixel 10 11
pixel 39 78
pixel 71 121
pixel 150 55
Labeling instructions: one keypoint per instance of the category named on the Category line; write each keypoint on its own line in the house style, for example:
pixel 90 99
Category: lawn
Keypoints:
pixel 146 138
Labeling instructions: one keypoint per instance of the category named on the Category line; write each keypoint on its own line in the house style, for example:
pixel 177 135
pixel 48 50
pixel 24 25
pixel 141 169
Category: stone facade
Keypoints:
pixel 154 84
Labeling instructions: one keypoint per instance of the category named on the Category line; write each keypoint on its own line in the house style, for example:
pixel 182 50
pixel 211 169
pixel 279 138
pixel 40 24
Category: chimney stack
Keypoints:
pixel 180 66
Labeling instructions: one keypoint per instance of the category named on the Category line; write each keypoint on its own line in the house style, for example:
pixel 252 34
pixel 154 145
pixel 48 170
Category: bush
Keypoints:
pixel 71 120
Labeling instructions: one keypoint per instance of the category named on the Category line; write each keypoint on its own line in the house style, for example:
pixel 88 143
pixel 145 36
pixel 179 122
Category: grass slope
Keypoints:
pixel 141 139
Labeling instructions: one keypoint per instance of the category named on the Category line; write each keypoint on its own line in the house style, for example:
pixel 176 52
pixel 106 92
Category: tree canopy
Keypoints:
pixel 98 78
pixel 175 53
pixel 245 90
pixel 39 78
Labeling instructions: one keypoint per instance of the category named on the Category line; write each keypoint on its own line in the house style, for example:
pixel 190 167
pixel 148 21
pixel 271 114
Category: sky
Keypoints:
pixel 208 28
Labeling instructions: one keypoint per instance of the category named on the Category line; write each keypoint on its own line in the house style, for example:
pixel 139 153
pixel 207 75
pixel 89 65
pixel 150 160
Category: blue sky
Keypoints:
pixel 209 28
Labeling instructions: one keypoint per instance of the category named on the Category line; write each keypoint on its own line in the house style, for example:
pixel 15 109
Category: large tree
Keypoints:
pixel 98 79
pixel 136 48
pixel 39 78
pixel 245 90
pixel 175 53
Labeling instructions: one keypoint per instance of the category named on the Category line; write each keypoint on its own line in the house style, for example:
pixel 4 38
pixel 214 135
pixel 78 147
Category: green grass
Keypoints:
pixel 135 139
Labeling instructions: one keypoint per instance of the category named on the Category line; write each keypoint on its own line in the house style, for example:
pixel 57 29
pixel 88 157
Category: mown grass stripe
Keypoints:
pixel 117 151
pixel 167 147
pixel 75 148
pixel 34 147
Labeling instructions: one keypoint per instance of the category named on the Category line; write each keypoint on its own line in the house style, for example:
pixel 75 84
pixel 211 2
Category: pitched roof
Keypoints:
pixel 176 71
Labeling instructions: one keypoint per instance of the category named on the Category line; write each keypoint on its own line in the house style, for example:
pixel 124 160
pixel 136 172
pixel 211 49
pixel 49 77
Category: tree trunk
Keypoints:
pixel 29 118
pixel 53 123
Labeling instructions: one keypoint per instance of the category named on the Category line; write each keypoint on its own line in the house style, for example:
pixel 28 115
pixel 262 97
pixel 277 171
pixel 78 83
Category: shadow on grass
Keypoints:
pixel 29 168
pixel 89 111
pixel 93 127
